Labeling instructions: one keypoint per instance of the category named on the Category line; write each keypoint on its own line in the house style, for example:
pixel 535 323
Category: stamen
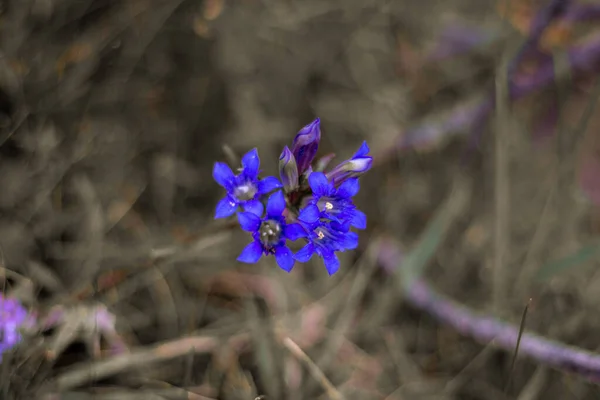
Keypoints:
pixel 320 235
pixel 329 206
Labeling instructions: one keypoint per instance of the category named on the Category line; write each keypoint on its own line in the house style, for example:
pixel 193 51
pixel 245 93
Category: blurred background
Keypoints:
pixel 113 112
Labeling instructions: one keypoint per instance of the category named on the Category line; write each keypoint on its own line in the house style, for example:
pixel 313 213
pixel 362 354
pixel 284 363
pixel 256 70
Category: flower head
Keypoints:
pixel 13 316
pixel 244 189
pixel 352 168
pixel 325 238
pixel 306 144
pixel 288 170
pixel 336 203
pixel 270 234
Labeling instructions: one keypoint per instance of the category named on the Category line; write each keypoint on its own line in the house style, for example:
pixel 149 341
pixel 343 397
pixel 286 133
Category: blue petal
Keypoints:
pixel 342 226
pixel 305 253
pixel 319 184
pixel 248 221
pixel 276 204
pixel 225 208
pixel 251 253
pixel 284 258
pixel 363 151
pixel 223 175
pixel 332 264
pixel 268 184
pixel 349 188
pixel 253 206
pixel 251 163
pixel 295 232
pixel 359 219
pixel 326 251
pixel 350 241
pixel 309 214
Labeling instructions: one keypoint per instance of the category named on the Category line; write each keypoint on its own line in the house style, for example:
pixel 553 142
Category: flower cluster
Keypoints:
pixel 13 317
pixel 307 204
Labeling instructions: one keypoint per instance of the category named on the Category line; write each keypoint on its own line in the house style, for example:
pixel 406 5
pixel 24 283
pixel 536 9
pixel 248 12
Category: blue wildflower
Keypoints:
pixel 336 204
pixel 245 189
pixel 12 318
pixel 270 234
pixel 306 144
pixel 360 163
pixel 325 238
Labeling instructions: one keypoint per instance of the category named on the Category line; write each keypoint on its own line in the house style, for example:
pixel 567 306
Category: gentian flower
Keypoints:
pixel 288 170
pixel 306 144
pixel 270 234
pixel 245 189
pixel 325 237
pixel 336 204
pixel 13 316
pixel 352 168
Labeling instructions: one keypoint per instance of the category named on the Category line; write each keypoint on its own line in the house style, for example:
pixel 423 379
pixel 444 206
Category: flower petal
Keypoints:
pixel 362 151
pixel 295 232
pixel 253 206
pixel 223 175
pixel 319 184
pixel 332 264
pixel 275 204
pixel 248 221
pixel 349 188
pixel 251 163
pixel 309 214
pixel 350 241
pixel 225 208
pixel 268 184
pixel 284 258
pixel 359 219
pixel 251 253
pixel 305 253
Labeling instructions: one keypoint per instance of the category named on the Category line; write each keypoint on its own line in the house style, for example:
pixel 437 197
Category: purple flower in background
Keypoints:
pixel 360 163
pixel 336 204
pixel 244 189
pixel 288 170
pixel 12 317
pixel 306 144
pixel 270 234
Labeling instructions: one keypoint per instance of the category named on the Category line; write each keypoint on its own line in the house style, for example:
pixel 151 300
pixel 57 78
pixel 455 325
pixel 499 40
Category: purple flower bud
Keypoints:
pixel 352 168
pixel 288 170
pixel 306 144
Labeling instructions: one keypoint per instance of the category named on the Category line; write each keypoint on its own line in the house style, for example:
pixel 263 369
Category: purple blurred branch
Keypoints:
pixel 583 13
pixel 582 58
pixel 468 118
pixel 486 329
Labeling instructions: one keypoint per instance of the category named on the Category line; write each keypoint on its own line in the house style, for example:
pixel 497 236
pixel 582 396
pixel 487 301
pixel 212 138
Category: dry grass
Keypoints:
pixel 113 112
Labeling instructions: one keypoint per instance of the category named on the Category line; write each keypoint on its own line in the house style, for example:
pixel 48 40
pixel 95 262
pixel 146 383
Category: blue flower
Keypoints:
pixel 336 204
pixel 270 234
pixel 244 189
pixel 12 317
pixel 306 144
pixel 360 163
pixel 325 238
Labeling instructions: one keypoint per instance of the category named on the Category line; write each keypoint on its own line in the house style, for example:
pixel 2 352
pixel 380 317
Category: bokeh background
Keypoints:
pixel 113 112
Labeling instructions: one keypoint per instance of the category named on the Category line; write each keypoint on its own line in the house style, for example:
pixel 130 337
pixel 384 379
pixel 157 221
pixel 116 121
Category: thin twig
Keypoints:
pixel 316 372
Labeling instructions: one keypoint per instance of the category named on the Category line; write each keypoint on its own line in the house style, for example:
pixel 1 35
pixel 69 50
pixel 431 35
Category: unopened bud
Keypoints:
pixel 352 168
pixel 288 170
pixel 306 144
